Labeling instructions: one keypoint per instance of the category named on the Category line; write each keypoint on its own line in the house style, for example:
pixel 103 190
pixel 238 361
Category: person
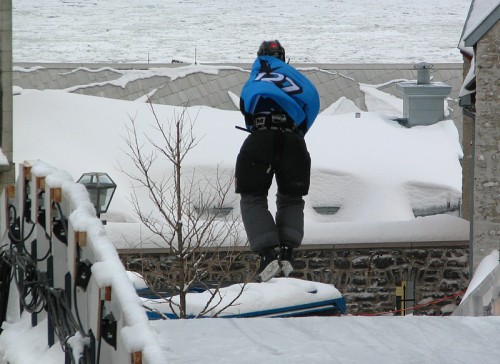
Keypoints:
pixel 279 105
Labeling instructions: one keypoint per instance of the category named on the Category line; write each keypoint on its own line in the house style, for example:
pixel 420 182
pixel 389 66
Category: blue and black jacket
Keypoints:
pixel 274 85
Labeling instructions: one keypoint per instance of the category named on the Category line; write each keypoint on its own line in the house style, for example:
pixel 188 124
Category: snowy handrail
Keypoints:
pixel 72 240
pixel 483 300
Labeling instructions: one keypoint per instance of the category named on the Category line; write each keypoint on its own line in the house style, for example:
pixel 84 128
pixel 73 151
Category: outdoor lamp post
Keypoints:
pixel 101 189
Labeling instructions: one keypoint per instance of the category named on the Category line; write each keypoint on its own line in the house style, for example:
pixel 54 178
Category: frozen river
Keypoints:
pixel 226 31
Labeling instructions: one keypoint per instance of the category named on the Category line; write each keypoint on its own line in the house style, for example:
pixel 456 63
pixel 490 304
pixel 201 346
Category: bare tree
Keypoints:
pixel 187 212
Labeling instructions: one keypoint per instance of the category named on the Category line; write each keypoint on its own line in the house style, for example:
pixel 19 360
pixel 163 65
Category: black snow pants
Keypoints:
pixel 266 154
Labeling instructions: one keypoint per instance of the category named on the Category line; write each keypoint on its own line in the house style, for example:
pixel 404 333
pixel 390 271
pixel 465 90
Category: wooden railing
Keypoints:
pixel 68 271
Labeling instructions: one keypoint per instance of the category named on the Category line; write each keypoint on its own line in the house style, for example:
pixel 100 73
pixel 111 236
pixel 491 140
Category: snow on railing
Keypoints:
pixel 483 296
pixel 53 229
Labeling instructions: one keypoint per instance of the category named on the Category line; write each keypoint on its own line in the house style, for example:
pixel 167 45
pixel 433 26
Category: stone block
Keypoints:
pixel 452 274
pixel 434 263
pixel 5 25
pixel 401 261
pixel 308 253
pixel 417 253
pixel 299 264
pixel 457 263
pixel 341 263
pixel 318 263
pixel 343 253
pixel 379 282
pixel 436 253
pixel 360 263
pixel 366 297
pixel 447 287
pixel 383 262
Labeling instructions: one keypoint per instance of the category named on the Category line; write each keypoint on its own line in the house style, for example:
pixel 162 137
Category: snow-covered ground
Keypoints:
pixel 318 340
pixel 224 31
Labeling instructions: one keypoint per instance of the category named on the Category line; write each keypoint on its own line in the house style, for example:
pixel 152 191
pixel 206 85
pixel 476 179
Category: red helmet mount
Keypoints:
pixel 272 48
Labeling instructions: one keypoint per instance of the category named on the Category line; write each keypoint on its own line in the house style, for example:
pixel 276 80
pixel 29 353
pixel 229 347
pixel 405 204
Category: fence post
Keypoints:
pixel 477 306
pixel 136 357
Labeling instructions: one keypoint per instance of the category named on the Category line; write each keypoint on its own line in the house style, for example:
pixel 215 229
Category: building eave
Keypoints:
pixel 474 37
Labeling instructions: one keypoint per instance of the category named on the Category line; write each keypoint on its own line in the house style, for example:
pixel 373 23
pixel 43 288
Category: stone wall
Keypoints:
pixel 367 275
pixel 7 172
pixel 466 162
pixel 486 232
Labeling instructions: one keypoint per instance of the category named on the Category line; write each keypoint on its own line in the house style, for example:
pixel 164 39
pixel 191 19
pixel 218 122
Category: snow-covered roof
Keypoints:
pixel 3 159
pixel 483 14
pixel 367 164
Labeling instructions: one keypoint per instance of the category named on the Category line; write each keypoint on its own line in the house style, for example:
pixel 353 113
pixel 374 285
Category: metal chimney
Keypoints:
pixel 423 101
pixel 423 73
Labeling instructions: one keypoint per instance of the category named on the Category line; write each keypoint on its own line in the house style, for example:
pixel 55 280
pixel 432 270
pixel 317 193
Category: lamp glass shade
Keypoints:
pixel 101 189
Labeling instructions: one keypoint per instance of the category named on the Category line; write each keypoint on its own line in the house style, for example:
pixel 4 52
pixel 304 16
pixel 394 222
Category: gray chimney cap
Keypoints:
pixel 423 65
